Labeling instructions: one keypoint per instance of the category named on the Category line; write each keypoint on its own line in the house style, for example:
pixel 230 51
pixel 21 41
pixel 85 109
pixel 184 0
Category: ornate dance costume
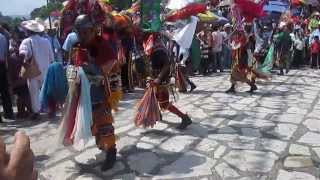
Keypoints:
pixel 93 59
pixel 240 71
pixel 160 68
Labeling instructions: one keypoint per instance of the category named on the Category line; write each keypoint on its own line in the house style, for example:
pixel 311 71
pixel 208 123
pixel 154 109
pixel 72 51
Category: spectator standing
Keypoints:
pixel 226 49
pixel 314 21
pixel 19 85
pixel 205 50
pixel 298 46
pixel 208 36
pixel 314 33
pixel 217 40
pixel 40 49
pixel 70 41
pixel 315 49
pixel 4 84
pixel 55 44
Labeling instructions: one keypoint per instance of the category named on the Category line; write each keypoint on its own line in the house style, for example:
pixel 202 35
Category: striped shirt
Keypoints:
pixel 205 50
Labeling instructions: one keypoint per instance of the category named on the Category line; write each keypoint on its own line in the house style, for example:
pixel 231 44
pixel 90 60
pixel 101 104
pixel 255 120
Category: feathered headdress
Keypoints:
pixel 249 9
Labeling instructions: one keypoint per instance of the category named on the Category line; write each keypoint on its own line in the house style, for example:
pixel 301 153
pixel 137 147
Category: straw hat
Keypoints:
pixel 316 13
pixel 33 26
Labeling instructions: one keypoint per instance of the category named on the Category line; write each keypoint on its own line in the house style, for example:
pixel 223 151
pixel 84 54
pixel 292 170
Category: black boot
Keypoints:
pixel 186 121
pixel 281 72
pixel 110 160
pixel 231 90
pixel 287 71
pixel 253 88
pixel 193 86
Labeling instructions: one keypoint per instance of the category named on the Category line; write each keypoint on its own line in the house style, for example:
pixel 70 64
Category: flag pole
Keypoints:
pixel 50 25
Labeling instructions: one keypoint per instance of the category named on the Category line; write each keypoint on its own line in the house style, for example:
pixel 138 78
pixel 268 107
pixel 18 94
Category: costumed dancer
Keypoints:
pixel 240 71
pixel 93 57
pixel 160 67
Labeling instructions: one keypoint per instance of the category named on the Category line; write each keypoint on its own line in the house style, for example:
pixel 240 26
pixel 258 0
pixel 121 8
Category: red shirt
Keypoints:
pixel 103 49
pixel 315 47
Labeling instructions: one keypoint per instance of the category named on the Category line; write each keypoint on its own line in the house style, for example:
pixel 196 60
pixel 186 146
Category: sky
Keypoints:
pixel 19 7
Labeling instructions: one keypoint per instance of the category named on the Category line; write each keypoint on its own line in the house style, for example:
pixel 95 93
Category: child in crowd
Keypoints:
pixel 315 49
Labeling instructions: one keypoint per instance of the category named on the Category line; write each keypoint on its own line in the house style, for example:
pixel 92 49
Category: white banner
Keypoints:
pixel 184 36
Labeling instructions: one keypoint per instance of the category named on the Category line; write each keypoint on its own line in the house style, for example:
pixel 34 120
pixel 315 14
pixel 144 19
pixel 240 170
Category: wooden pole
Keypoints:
pixel 50 25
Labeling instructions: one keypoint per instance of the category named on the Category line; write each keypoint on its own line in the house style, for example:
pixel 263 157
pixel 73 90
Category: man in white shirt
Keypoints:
pixel 217 40
pixel 39 48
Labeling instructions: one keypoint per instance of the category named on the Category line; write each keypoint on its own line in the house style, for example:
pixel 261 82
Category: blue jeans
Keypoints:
pixel 226 51
pixel 217 61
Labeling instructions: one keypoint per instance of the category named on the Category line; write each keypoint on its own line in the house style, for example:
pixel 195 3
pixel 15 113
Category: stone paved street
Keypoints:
pixel 271 135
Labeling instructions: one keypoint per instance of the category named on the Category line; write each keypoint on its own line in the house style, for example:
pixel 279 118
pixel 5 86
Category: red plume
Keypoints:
pixel 250 10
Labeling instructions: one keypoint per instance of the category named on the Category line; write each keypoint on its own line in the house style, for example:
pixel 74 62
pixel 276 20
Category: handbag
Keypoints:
pixel 31 69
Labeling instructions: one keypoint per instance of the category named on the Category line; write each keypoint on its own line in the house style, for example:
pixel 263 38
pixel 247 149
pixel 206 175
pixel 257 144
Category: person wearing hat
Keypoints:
pixel 54 89
pixel 51 35
pixel 36 48
pixel 314 21
pixel 226 50
pixel 95 55
pixel 314 33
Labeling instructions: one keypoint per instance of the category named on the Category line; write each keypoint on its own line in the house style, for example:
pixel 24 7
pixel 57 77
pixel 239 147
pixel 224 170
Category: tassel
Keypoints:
pixel 114 99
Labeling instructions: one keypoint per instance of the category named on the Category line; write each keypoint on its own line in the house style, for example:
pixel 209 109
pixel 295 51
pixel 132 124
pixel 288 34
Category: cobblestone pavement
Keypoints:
pixel 271 135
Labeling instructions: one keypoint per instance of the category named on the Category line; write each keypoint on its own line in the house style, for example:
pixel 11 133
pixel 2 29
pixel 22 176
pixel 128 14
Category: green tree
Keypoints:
pixel 12 22
pixel 44 11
